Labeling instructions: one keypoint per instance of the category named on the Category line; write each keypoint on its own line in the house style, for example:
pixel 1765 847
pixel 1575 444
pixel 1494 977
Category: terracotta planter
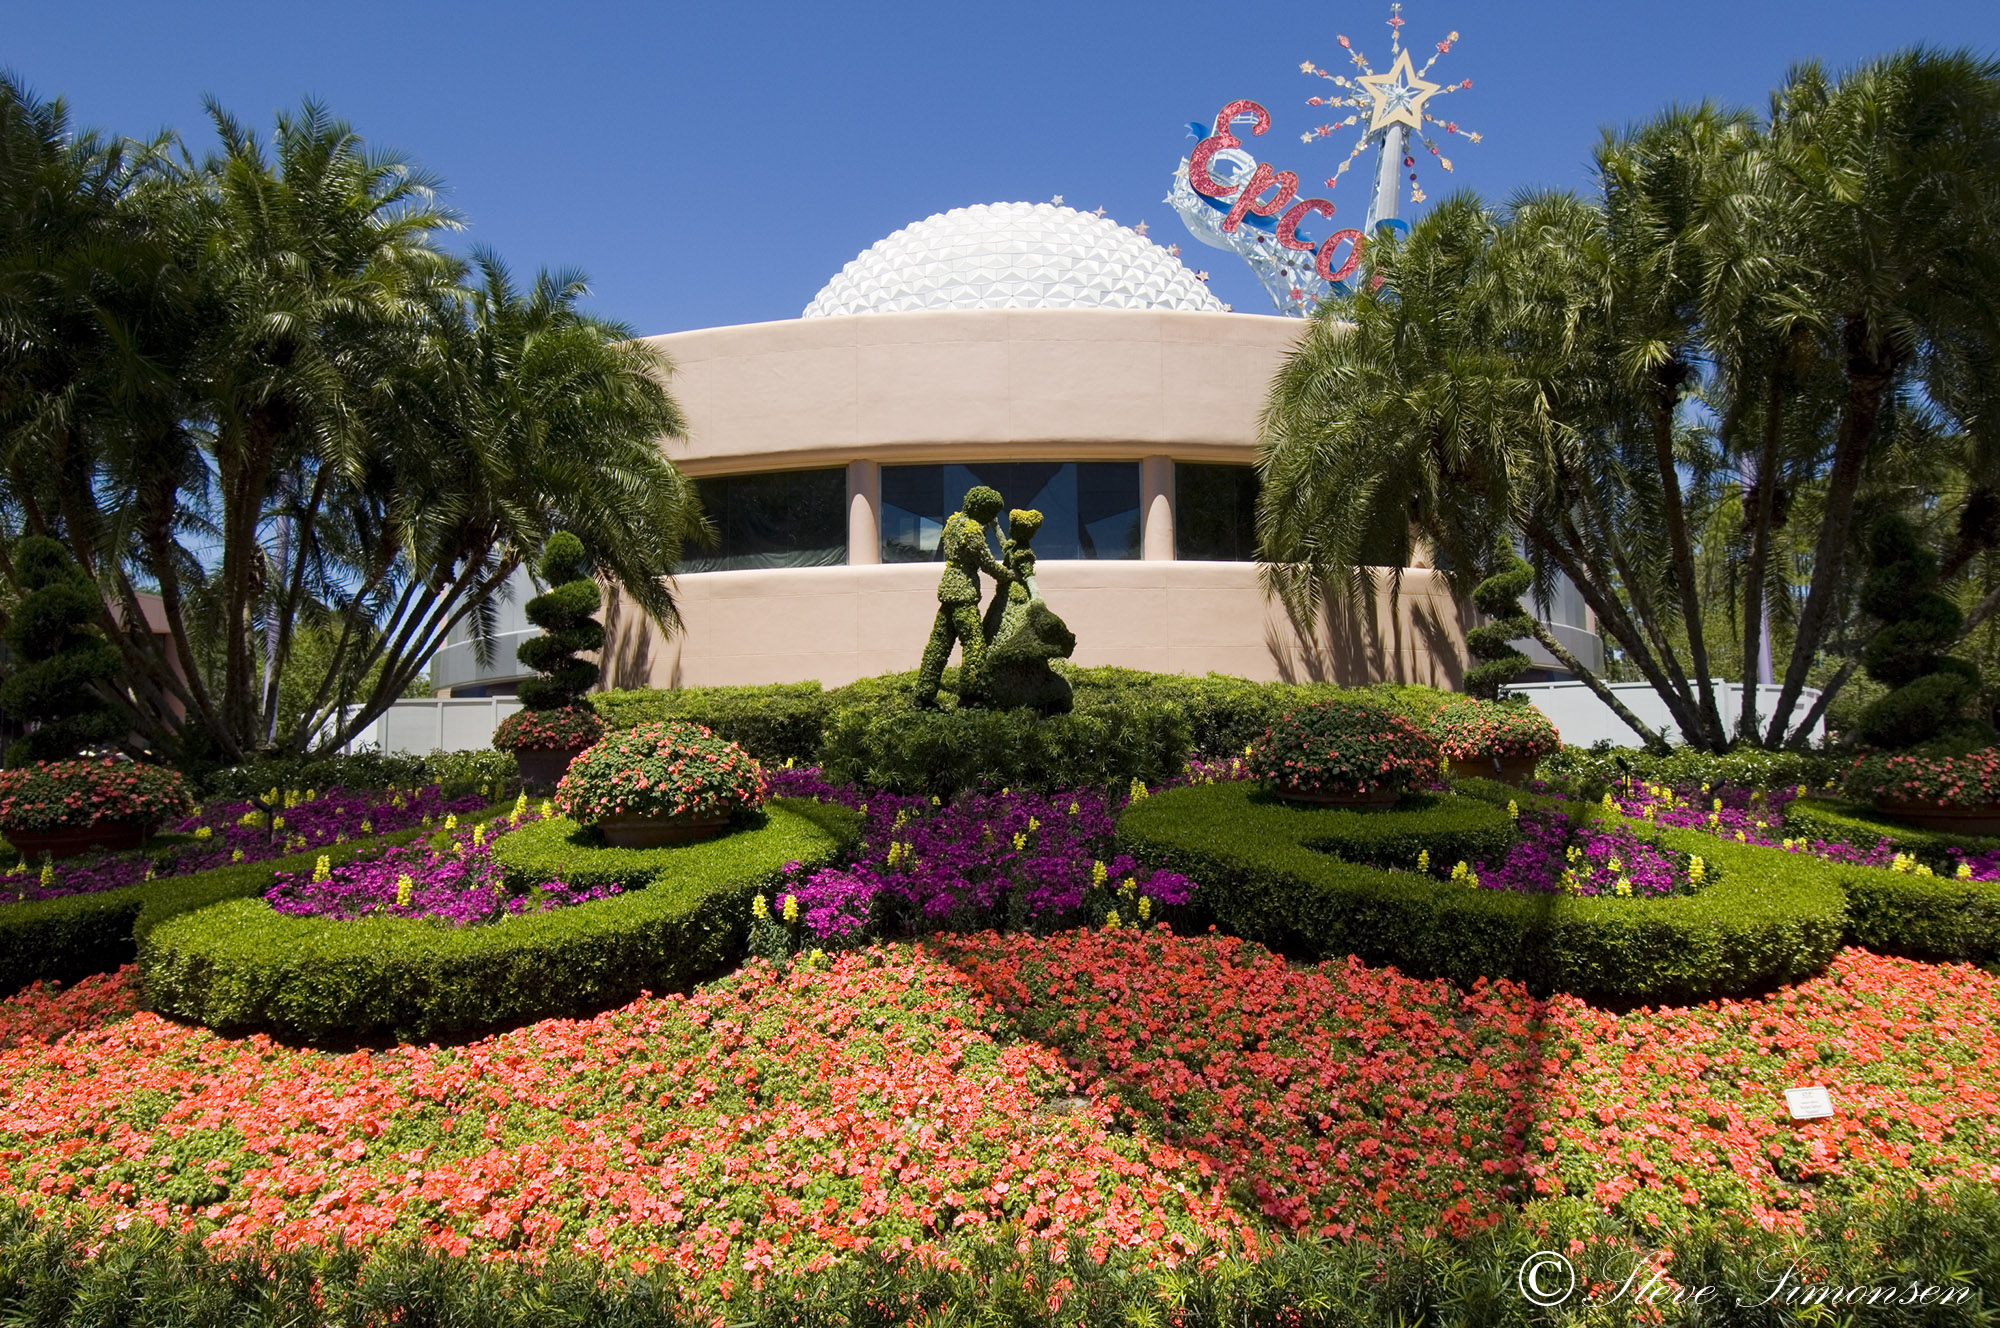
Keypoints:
pixel 67 842
pixel 542 770
pixel 1374 800
pixel 655 831
pixel 1983 819
pixel 1506 769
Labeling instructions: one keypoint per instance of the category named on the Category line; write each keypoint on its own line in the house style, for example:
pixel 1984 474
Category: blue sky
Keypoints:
pixel 716 163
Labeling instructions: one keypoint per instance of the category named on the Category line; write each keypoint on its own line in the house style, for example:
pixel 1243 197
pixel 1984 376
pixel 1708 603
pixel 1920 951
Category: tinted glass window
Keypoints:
pixel 1215 513
pixel 792 518
pixel 1090 509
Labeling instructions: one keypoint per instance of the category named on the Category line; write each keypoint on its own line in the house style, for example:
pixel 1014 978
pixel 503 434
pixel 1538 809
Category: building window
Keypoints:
pixel 791 518
pixel 1215 513
pixel 1090 509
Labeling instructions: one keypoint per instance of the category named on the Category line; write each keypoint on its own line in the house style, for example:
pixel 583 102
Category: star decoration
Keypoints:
pixel 1057 200
pixel 1399 95
pixel 1100 212
pixel 1174 249
pixel 1140 228
pixel 1201 275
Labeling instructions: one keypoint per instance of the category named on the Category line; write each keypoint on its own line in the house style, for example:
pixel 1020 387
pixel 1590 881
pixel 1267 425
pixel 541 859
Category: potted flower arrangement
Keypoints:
pixel 1495 739
pixel 63 808
pixel 554 722
pixel 1336 753
pixel 1952 787
pixel 661 783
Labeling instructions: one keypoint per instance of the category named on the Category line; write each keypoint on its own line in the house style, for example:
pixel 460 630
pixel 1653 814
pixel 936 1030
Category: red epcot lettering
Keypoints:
pixel 1198 175
pixel 1288 225
pixel 1286 183
pixel 1324 262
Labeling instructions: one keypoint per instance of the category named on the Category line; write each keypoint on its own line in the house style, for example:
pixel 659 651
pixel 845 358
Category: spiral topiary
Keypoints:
pixel 1929 688
pixel 562 680
pixel 61 660
pixel 1499 598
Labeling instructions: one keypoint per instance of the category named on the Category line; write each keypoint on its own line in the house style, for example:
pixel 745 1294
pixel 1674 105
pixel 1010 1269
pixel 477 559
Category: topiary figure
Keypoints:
pixel 61 662
pixel 553 717
pixel 1022 633
pixel 962 546
pixel 1929 688
pixel 563 613
pixel 1499 598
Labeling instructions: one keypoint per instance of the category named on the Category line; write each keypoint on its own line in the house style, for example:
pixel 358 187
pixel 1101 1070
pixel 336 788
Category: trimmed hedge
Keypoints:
pixel 942 753
pixel 1920 917
pixel 74 936
pixel 775 723
pixel 1773 917
pixel 1746 767
pixel 240 965
pixel 1862 826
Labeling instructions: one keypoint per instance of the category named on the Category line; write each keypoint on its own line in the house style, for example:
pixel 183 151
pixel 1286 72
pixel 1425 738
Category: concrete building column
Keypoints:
pixel 864 520
pixel 1156 509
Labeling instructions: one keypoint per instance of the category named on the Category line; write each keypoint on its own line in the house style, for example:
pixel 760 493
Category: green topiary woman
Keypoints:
pixel 553 715
pixel 1499 598
pixel 62 663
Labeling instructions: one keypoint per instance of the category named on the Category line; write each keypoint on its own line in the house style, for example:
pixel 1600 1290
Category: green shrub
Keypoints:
pixel 1863 827
pixel 942 753
pixel 497 771
pixel 1774 916
pixel 241 965
pixel 363 770
pixel 1685 767
pixel 74 936
pixel 563 612
pixel 61 666
pixel 775 724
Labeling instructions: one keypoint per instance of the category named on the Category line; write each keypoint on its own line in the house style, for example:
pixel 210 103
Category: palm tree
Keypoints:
pixel 1893 172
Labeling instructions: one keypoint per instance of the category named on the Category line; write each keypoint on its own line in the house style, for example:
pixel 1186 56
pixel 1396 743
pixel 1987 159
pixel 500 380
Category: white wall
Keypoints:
pixel 1582 719
pixel 428 724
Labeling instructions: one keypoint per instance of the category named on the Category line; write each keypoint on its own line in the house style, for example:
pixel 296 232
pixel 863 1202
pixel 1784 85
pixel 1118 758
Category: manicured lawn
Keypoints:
pixel 1185 1096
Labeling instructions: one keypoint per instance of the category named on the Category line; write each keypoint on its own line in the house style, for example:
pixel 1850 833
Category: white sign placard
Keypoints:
pixel 1809 1103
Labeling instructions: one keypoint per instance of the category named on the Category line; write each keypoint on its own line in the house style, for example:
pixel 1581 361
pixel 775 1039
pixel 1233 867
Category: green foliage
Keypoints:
pixel 890 745
pixel 559 848
pixel 478 768
pixel 61 664
pixel 775 723
pixel 1491 643
pixel 55 1276
pixel 1863 827
pixel 563 612
pixel 1343 747
pixel 1929 690
pixel 1773 917
pixel 241 965
pixel 365 771
pixel 1923 917
pixel 1745 767
pixel 76 935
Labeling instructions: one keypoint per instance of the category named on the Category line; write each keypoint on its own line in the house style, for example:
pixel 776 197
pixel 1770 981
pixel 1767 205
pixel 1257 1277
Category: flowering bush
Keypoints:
pixel 672 768
pixel 52 795
pixel 458 884
pixel 1340 747
pixel 570 728
pixel 1943 778
pixel 1474 730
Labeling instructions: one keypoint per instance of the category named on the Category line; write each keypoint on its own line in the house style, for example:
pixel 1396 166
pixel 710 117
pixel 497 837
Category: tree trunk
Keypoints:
pixel 1760 552
pixel 1654 743
pixel 1681 554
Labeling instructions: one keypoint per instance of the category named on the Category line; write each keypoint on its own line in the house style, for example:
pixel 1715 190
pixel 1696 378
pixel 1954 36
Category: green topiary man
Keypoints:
pixel 963 547
pixel 564 615
pixel 62 663
pixel 1499 598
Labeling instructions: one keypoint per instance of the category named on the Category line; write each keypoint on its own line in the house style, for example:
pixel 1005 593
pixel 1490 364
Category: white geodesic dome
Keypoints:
pixel 1012 256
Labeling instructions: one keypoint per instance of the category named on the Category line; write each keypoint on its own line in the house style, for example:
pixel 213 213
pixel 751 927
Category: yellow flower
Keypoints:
pixel 367 826
pixel 1424 860
pixel 1111 921
pixel 936 801
pixel 1615 865
pixel 548 808
pixel 1145 908
pixel 1651 813
pixel 1609 804
pixel 1074 809
pixel 1020 840
pixel 1902 862
pixel 1964 872
pixel 1513 809
pixel 203 832
pixel 895 852
pixel 760 909
pixel 451 821
pixel 520 808
pixel 1099 873
pixel 277 822
pixel 1139 793
pixel 1697 870
pixel 815 956
pixel 1034 822
pixel 1718 805
pixel 1924 869
pixel 1624 888
pixel 403 887
pixel 236 855
pixel 1802 790
pixel 49 872
pixel 791 908
pixel 1130 885
pixel 478 835
pixel 1460 871
pixel 323 869
pixel 311 794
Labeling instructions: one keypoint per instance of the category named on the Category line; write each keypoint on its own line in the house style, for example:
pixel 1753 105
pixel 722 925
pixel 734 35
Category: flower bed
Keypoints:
pixel 458 882
pixel 1943 778
pixel 1591 860
pixel 236 832
pixel 1473 730
pixel 86 792
pixel 1337 747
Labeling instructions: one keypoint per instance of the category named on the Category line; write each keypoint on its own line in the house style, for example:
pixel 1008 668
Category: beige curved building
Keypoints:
pixel 1070 363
